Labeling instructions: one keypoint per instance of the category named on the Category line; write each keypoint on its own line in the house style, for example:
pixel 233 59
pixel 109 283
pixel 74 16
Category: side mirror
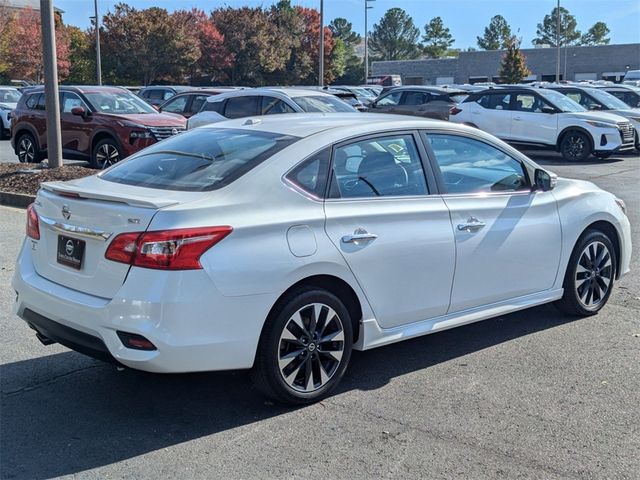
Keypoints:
pixel 544 181
pixel 80 111
pixel 548 110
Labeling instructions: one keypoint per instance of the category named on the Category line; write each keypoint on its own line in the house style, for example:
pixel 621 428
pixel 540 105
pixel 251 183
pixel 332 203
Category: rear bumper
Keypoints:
pixel 193 326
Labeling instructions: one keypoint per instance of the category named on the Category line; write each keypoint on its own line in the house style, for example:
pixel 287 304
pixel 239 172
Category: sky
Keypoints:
pixel 466 19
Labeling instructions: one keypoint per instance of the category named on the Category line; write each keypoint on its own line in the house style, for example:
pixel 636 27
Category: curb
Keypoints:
pixel 19 200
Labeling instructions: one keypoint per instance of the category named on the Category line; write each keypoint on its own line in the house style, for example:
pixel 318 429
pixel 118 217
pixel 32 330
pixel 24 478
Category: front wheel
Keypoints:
pixel 305 347
pixel 27 149
pixel 590 275
pixel 105 153
pixel 575 147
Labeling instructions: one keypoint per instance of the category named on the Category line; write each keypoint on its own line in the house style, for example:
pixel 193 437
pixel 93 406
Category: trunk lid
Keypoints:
pixel 92 211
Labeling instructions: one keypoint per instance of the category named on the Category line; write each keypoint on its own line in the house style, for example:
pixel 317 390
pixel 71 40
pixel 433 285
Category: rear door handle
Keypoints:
pixel 359 236
pixel 472 225
pixel 517 118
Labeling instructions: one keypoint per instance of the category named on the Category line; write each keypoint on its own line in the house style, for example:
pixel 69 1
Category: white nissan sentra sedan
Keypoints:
pixel 279 244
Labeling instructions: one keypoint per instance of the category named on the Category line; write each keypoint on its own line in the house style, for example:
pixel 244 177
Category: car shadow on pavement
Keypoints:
pixel 93 415
pixel 551 159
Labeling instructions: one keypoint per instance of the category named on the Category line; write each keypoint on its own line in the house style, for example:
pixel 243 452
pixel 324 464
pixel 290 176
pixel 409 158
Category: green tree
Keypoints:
pixel 596 35
pixel 338 58
pixel 546 31
pixel 437 39
pixel 513 68
pixel 353 65
pixel 496 34
pixel 82 70
pixel 395 37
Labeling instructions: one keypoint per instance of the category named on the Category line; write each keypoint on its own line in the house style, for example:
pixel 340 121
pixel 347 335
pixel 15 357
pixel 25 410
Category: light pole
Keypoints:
pixel 98 61
pixel 366 40
pixel 558 42
pixel 321 59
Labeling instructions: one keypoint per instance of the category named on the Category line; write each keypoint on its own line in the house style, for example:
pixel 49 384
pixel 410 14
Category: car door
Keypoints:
pixel 76 129
pixel 507 236
pixel 491 113
pixel 395 237
pixel 533 119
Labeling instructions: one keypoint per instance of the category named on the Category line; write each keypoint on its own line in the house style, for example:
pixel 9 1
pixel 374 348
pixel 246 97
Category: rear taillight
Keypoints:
pixel 179 249
pixel 33 229
pixel 454 111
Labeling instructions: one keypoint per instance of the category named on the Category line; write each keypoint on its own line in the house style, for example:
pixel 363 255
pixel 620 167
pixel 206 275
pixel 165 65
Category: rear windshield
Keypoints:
pixel 198 160
pixel 323 104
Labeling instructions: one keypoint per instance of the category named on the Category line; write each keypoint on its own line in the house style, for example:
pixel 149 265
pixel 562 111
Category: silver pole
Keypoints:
pixel 52 102
pixel 98 61
pixel 558 42
pixel 366 46
pixel 321 59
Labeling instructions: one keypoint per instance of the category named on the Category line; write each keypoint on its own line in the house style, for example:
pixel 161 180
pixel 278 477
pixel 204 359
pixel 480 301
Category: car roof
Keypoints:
pixel 279 92
pixel 307 124
pixel 81 89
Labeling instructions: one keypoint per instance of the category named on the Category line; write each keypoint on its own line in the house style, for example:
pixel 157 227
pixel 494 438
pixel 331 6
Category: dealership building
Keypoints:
pixel 602 62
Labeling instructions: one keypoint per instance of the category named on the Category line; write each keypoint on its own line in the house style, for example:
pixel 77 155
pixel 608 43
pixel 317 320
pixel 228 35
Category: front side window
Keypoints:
pixel 393 98
pixel 415 98
pixel 214 106
pixel 378 167
pixel 311 175
pixel 272 106
pixel 472 166
pixel 70 101
pixel 238 107
pixel 177 105
pixel 198 160
pixel 197 103
pixel 154 94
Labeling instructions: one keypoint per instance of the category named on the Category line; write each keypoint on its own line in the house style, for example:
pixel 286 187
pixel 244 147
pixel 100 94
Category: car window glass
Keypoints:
pixel 471 166
pixel 197 102
pixel 526 102
pixel 70 101
pixel 499 101
pixel 213 107
pixel 272 105
pixel 32 101
pixel 154 94
pixel 41 102
pixel 241 107
pixel 378 167
pixel 582 99
pixel 167 94
pixel 311 175
pixel 415 98
pixel 392 99
pixel 322 104
pixel 177 105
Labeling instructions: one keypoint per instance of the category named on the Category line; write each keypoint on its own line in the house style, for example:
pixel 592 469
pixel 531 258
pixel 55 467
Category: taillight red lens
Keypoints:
pixel 179 249
pixel 33 229
pixel 454 111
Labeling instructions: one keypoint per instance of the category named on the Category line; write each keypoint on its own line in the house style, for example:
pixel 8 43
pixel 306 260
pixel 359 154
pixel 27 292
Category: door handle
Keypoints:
pixel 472 225
pixel 517 118
pixel 359 236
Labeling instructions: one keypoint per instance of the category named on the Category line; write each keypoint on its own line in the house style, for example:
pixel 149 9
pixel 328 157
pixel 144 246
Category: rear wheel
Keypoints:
pixel 26 149
pixel 105 153
pixel 590 275
pixel 575 146
pixel 305 347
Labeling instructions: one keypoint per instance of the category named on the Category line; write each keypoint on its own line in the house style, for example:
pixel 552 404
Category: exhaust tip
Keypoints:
pixel 46 341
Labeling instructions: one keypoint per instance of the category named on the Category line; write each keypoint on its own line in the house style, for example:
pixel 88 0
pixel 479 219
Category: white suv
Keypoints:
pixel 542 117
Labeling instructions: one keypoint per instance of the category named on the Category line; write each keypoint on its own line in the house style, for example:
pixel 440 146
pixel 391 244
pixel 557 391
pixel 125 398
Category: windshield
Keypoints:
pixel 118 103
pixel 198 160
pixel 562 102
pixel 608 100
pixel 323 104
pixel 9 95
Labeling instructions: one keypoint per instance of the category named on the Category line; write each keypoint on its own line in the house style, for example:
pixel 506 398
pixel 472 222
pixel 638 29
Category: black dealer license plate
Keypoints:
pixel 70 251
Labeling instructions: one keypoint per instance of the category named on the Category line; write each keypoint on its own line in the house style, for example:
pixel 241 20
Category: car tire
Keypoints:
pixel 590 275
pixel 304 348
pixel 27 149
pixel 575 146
pixel 105 153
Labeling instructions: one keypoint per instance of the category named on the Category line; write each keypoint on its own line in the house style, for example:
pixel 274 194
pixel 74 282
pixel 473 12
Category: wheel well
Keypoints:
pixel 21 132
pixel 568 130
pixel 610 231
pixel 101 136
pixel 340 289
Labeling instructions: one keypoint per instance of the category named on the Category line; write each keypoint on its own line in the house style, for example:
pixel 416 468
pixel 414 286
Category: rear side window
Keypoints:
pixel 197 102
pixel 416 98
pixel 155 94
pixel 41 102
pixel 238 107
pixel 272 105
pixel 32 101
pixel 311 175
pixel 496 101
pixel 198 160
pixel 217 107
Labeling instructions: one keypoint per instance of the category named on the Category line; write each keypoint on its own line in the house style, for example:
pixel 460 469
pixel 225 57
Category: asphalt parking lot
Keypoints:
pixel 533 394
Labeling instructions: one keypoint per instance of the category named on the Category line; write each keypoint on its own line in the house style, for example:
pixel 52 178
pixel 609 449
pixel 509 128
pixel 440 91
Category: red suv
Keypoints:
pixel 99 124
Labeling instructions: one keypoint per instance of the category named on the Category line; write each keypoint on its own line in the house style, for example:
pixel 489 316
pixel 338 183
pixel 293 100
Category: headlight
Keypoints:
pixel 622 205
pixel 597 124
pixel 140 134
